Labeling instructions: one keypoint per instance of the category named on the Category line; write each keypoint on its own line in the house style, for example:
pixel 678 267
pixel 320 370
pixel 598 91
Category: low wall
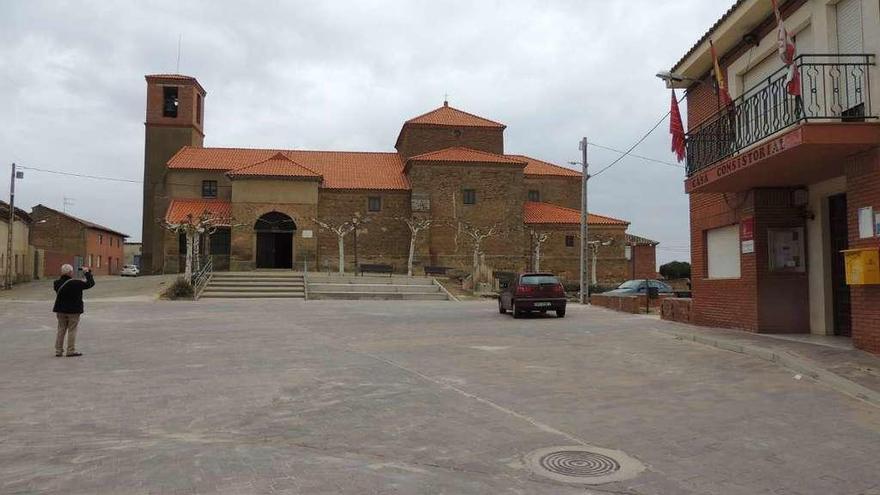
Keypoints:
pixel 676 309
pixel 625 304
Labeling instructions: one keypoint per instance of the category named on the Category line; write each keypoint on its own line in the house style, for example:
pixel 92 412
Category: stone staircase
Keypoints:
pixel 350 287
pixel 255 284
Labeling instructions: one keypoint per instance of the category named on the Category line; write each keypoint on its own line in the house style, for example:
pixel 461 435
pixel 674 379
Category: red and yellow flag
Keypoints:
pixel 720 78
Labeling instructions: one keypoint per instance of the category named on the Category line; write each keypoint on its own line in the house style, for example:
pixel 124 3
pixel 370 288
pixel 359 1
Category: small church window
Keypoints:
pixel 170 102
pixel 534 195
pixel 209 188
pixel 374 203
pixel 469 196
pixel 569 241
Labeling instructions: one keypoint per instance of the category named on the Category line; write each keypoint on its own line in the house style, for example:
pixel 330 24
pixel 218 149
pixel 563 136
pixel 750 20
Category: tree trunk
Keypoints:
pixel 412 250
pixel 476 264
pixel 341 254
pixel 538 257
pixel 187 270
pixel 593 268
pixel 197 240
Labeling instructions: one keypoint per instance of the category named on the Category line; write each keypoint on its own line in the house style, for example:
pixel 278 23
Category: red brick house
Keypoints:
pixel 780 185
pixel 67 239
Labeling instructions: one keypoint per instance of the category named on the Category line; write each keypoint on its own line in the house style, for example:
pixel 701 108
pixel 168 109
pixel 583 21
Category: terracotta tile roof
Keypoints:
pixel 461 154
pixel 278 165
pixel 20 215
pixel 178 209
pixel 340 169
pixel 538 167
pixel 546 213
pixel 447 115
pixel 86 223
pixel 635 240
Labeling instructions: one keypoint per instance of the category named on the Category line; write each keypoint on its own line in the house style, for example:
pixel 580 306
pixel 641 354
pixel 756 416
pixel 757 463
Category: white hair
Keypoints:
pixel 66 269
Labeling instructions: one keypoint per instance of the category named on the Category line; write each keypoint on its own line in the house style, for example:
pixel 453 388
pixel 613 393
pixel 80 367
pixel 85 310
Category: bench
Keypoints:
pixel 436 270
pixel 376 268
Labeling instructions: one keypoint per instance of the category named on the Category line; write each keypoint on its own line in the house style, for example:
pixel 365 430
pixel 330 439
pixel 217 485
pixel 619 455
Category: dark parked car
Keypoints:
pixel 634 287
pixel 532 292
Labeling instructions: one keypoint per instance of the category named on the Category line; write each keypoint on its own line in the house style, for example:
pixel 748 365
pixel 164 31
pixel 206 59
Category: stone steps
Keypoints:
pixel 380 296
pixel 269 284
pixel 322 287
pixel 396 288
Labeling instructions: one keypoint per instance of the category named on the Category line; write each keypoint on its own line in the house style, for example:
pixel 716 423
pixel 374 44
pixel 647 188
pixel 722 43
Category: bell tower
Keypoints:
pixel 175 110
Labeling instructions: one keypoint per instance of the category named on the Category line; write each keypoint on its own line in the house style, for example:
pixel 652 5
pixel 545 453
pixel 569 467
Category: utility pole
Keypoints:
pixel 584 294
pixel 7 280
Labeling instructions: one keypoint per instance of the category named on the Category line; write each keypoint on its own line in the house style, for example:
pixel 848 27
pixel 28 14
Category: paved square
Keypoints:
pixel 241 397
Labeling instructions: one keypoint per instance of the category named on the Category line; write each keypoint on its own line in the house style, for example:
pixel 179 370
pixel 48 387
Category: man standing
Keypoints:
pixel 69 307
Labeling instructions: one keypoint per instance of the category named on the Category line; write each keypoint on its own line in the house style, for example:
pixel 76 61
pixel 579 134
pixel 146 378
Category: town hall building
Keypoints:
pixel 449 166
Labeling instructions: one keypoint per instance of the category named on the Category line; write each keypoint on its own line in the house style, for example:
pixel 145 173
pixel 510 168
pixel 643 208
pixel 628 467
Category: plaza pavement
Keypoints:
pixel 325 397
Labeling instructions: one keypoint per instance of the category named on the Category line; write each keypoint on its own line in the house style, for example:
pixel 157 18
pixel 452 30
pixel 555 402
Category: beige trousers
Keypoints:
pixel 67 323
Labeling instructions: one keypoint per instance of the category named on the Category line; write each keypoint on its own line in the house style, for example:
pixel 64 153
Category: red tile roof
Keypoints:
pixel 86 223
pixel 340 169
pixel 635 240
pixel 546 213
pixel 175 77
pixel 180 208
pixel 462 154
pixel 538 167
pixel 447 115
pixel 278 165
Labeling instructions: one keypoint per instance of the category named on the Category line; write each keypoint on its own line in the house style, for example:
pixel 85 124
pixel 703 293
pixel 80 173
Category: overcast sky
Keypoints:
pixel 344 76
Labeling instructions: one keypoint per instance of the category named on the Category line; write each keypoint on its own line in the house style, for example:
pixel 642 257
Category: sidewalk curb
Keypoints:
pixel 786 359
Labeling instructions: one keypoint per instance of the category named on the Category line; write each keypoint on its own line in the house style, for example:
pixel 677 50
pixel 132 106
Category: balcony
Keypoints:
pixel 834 87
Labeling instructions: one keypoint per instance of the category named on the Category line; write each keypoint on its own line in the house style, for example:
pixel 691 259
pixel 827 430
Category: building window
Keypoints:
pixel 569 241
pixel 100 239
pixel 91 260
pixel 169 102
pixel 469 196
pixel 722 252
pixel 99 261
pixel 534 195
pixel 209 188
pixel 198 108
pixel 374 203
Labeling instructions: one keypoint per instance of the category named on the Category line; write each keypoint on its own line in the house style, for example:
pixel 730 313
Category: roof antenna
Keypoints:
pixel 445 99
pixel 179 37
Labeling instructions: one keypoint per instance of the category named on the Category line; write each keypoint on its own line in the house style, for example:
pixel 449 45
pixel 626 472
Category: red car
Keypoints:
pixel 532 292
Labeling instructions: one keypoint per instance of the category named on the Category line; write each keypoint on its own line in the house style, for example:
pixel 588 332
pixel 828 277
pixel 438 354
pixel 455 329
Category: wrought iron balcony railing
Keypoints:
pixel 833 87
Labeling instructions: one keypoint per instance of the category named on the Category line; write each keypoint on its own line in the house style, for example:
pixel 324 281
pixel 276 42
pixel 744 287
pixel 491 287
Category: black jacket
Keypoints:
pixel 70 298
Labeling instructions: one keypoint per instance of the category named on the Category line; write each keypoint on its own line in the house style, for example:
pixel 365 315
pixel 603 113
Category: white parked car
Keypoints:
pixel 130 271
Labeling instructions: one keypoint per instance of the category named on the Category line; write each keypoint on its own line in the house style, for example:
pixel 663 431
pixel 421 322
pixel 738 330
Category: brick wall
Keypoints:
pixel 643 262
pixel 417 139
pixel 384 239
pixel 564 261
pixel 676 309
pixel 104 252
pixel 562 191
pixel 499 192
pixel 863 189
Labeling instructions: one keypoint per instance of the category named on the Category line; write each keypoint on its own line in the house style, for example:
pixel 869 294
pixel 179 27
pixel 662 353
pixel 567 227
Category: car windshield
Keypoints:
pixel 631 284
pixel 539 280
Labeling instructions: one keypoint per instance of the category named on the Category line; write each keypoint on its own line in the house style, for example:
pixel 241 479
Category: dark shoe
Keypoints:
pixel 74 354
pixel 59 354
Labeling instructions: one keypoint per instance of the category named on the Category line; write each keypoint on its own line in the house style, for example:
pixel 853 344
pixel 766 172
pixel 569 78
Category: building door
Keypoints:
pixel 839 234
pixel 274 240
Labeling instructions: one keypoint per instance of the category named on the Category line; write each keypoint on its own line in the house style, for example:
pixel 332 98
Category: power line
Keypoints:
pixel 71 174
pixel 645 136
pixel 676 165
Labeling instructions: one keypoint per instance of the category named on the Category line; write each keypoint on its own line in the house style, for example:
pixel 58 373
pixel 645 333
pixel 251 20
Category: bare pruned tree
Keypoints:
pixel 340 230
pixel 193 227
pixel 538 239
pixel 477 234
pixel 416 225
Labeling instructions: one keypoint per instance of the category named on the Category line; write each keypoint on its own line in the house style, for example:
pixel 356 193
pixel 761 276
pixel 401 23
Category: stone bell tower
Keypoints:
pixel 175 109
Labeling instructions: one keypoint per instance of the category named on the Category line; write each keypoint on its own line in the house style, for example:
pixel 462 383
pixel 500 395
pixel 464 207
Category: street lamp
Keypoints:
pixel 10 228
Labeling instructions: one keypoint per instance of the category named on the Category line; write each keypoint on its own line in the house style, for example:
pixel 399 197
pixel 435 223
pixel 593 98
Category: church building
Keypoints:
pixel 448 166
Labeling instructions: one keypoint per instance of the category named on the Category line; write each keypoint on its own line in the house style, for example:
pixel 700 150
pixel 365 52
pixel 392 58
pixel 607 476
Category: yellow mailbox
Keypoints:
pixel 862 266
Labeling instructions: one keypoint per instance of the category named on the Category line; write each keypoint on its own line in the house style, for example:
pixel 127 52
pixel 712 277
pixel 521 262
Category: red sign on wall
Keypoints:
pixel 747 229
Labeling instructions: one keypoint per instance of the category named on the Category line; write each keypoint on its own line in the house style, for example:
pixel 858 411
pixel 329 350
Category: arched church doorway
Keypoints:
pixel 275 240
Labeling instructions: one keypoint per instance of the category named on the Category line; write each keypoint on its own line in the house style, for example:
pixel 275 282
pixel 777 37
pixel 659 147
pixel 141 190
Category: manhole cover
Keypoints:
pixel 583 464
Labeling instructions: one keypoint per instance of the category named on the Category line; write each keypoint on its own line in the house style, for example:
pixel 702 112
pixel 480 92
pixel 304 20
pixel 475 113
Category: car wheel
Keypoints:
pixel 501 308
pixel 515 311
pixel 560 313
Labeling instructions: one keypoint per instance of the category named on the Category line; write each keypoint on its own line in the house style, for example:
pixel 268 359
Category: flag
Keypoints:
pixel 720 79
pixel 787 51
pixel 676 128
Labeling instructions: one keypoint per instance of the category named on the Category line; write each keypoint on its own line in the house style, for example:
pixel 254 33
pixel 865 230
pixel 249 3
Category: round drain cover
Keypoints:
pixel 583 464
